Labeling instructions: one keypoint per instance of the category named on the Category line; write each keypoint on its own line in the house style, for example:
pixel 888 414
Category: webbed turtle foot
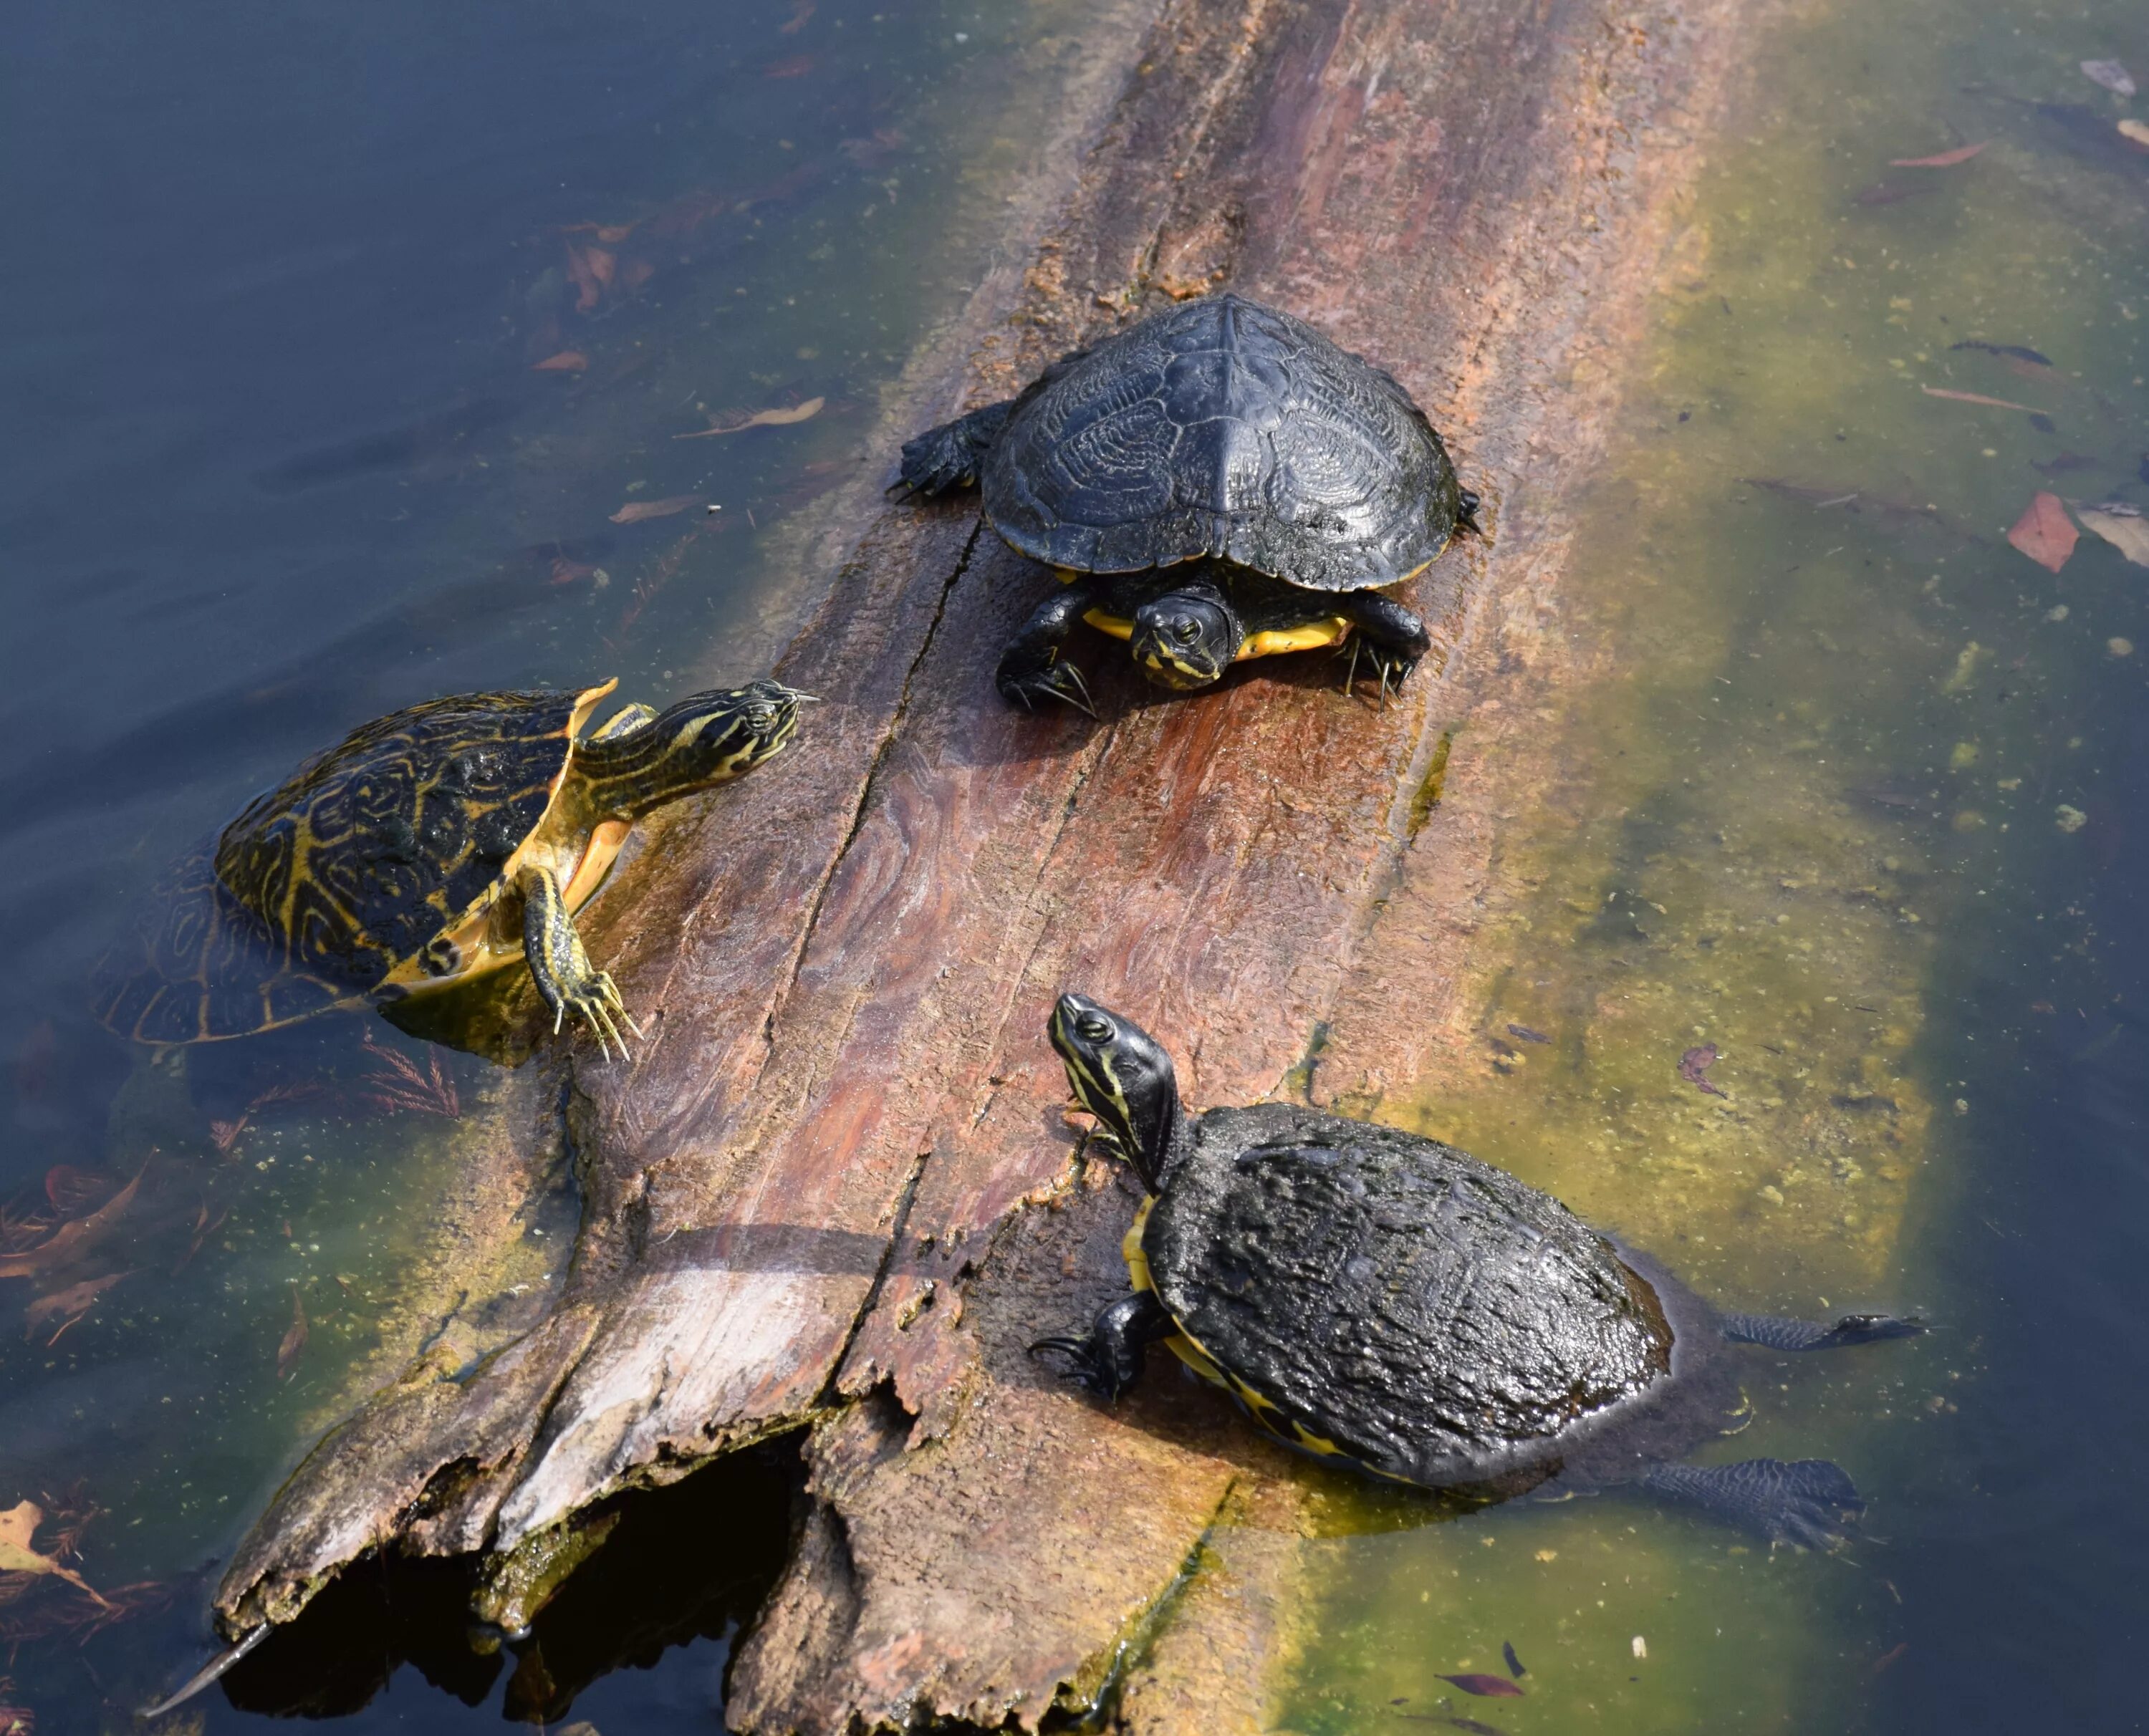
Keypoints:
pixel 1777 1332
pixel 950 455
pixel 1383 663
pixel 593 997
pixel 1807 1503
pixel 1031 685
pixel 1083 1366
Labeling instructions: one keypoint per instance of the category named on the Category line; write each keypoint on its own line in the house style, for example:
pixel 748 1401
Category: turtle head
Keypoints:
pixel 1186 637
pixel 1120 1074
pixel 707 739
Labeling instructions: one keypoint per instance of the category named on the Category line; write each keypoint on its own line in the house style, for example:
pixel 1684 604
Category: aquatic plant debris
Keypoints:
pixel 1514 1663
pixel 738 421
pixel 1941 392
pixel 18 1530
pixel 2111 74
pixel 2044 532
pixel 71 1241
pixel 68 1305
pixel 634 512
pixel 567 361
pixel 2135 132
pixel 1946 159
pixel 2120 523
pixel 1694 1067
pixel 295 1338
pixel 1491 1688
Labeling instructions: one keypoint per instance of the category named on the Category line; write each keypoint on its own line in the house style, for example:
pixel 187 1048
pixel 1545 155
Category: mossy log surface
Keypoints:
pixel 835 1187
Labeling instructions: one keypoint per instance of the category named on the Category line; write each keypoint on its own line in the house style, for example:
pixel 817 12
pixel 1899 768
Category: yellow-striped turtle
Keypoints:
pixel 1383 1300
pixel 1298 480
pixel 429 846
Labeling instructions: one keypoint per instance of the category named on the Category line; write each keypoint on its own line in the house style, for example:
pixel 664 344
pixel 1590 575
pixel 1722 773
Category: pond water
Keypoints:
pixel 1852 796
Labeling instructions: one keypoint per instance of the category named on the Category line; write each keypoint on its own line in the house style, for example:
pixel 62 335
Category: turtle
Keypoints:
pixel 428 848
pixel 1293 481
pixel 1386 1301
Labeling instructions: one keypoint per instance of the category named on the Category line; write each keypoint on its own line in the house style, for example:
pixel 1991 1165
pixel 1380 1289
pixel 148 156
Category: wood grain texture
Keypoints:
pixel 835 1187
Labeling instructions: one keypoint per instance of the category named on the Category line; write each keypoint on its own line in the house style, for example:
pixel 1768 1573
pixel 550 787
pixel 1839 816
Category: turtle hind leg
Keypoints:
pixel 562 969
pixel 1035 665
pixel 951 456
pixel 1778 1332
pixel 1110 1360
pixel 1807 1503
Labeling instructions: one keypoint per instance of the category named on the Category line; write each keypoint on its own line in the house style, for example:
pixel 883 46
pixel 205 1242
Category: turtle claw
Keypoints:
pixel 1057 680
pixel 1384 663
pixel 594 1000
pixel 1082 1364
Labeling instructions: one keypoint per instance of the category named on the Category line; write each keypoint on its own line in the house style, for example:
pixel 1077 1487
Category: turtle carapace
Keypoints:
pixel 1220 481
pixel 429 847
pixel 1377 1297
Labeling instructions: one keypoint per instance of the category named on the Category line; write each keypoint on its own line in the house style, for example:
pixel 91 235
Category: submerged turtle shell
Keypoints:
pixel 1429 1315
pixel 347 870
pixel 1220 428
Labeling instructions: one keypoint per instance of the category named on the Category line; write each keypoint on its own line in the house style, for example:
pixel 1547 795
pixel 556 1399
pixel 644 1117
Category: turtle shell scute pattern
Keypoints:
pixel 1223 429
pixel 1434 1317
pixel 370 850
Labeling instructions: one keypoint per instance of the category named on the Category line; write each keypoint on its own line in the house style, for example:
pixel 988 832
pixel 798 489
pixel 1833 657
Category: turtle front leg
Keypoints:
pixel 1390 638
pixel 1110 1360
pixel 1034 666
pixel 951 456
pixel 561 968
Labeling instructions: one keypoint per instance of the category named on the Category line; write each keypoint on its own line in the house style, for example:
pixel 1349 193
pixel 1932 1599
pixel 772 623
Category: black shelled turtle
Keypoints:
pixel 429 846
pixel 1298 480
pixel 1380 1299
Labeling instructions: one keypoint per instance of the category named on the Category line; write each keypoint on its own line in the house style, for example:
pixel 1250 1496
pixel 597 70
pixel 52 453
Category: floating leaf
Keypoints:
pixel 2120 525
pixel 295 1338
pixel 567 361
pixel 1514 1663
pixel 1941 392
pixel 635 512
pixel 1494 1688
pixel 18 1530
pixel 2044 532
pixel 2111 74
pixel 1946 159
pixel 71 1241
pixel 2137 131
pixel 1693 1067
pixel 738 421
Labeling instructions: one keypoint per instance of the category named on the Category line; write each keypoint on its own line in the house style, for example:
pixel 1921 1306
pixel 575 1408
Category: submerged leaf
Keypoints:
pixel 635 512
pixel 738 421
pixel 567 361
pixel 68 1305
pixel 796 67
pixel 295 1338
pixel 71 1241
pixel 2135 130
pixel 2120 525
pixel 1941 392
pixel 796 21
pixel 2044 532
pixel 2019 352
pixel 1496 1688
pixel 2111 74
pixel 1946 159
pixel 18 1530
pixel 1693 1067
pixel 1514 1663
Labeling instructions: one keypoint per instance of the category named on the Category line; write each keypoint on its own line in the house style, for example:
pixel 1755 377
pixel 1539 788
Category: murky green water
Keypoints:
pixel 1854 794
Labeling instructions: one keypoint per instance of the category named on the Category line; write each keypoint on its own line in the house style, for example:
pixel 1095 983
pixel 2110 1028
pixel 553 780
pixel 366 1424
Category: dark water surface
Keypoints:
pixel 1860 799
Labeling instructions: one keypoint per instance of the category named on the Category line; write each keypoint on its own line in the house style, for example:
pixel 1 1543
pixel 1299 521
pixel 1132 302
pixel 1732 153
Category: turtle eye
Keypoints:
pixel 1092 1029
pixel 1186 632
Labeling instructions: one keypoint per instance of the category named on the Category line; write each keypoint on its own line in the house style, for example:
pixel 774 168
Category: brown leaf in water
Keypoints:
pixel 571 572
pixel 1889 1658
pixel 1946 159
pixel 2111 74
pixel 796 21
pixel 635 272
pixel 2120 525
pixel 1941 392
pixel 2135 132
pixel 2044 532
pixel 567 361
pixel 71 1241
pixel 1693 1067
pixel 635 512
pixel 584 278
pixel 69 1305
pixel 796 67
pixel 738 421
pixel 205 1227
pixel 74 1191
pixel 294 1338
pixel 1494 1687
pixel 18 1554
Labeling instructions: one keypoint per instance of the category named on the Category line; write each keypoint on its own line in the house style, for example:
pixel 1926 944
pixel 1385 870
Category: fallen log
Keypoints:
pixel 835 1189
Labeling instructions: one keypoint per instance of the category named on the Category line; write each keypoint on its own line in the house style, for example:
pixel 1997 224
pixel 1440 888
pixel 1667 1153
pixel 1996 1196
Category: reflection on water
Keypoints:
pixel 1821 986
pixel 356 358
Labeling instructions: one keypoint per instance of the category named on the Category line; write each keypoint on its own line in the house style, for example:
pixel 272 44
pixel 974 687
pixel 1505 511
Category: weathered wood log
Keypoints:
pixel 835 1187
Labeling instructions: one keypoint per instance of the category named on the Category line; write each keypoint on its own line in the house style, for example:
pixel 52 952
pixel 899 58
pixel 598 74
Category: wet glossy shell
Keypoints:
pixel 1379 1294
pixel 325 885
pixel 1223 428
